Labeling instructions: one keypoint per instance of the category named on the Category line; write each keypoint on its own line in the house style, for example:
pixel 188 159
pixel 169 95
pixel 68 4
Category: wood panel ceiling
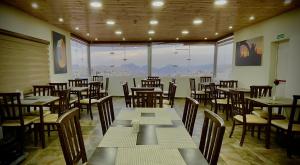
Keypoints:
pixel 132 17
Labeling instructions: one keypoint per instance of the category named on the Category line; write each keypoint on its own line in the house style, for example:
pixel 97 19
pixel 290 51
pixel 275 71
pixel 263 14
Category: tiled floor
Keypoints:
pixel 252 152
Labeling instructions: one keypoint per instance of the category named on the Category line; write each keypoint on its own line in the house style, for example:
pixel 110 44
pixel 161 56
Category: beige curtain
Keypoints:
pixel 23 63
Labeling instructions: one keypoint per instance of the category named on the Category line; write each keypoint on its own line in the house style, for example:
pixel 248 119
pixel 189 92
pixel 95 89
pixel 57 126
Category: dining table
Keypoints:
pixel 40 102
pixel 147 136
pixel 271 103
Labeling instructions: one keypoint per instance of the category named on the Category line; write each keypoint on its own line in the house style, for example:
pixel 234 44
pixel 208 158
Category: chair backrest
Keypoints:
pixel 106 112
pixel 59 87
pixel 149 83
pixel 172 94
pixel 152 77
pixel 205 79
pixel 94 90
pixel 229 83
pixel 192 84
pixel 126 91
pixel 296 98
pixel 106 84
pixel 148 99
pixel 70 137
pixel 211 137
pixel 238 104
pixel 134 82
pixel 75 83
pixel 98 78
pixel 64 98
pixel 43 90
pixel 136 89
pixel 84 82
pixel 213 93
pixel 189 114
pixel 10 107
pixel 260 91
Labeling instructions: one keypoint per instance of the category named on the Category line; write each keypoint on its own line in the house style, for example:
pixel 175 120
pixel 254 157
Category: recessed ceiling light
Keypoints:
pixel 118 32
pixel 157 3
pixel 287 2
pixel 95 4
pixel 205 38
pixel 96 39
pixel 197 21
pixel 153 22
pixel 185 32
pixel 150 39
pixel 123 38
pixel 87 34
pixel 251 18
pixel 151 32
pixel 230 27
pixel 216 33
pixel 76 28
pixel 220 2
pixel 177 38
pixel 110 22
pixel 60 19
pixel 34 5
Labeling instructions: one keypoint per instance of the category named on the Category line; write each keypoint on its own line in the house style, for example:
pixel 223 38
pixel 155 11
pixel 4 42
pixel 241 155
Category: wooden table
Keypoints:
pixel 39 101
pixel 147 139
pixel 270 104
pixel 227 90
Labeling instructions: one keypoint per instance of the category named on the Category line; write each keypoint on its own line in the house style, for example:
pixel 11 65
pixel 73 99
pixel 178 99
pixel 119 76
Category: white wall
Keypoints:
pixel 288 24
pixel 15 20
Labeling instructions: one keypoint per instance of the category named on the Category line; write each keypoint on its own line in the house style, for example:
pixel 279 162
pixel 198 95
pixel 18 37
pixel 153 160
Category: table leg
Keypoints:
pixel 268 131
pixel 41 128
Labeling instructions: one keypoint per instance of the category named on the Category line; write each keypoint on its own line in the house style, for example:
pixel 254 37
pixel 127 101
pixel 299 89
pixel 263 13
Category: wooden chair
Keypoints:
pixel 153 77
pixel 75 83
pixel 148 99
pixel 228 83
pixel 11 116
pixel 291 126
pixel 171 97
pixel 196 94
pixel 167 93
pixel 43 90
pixel 127 95
pixel 106 113
pixel 205 79
pixel 104 92
pixel 216 102
pixel 70 137
pixel 149 83
pixel 93 97
pixel 84 82
pixel 59 86
pixel 211 137
pixel 134 82
pixel 136 89
pixel 242 115
pixel 98 78
pixel 189 114
pixel 173 80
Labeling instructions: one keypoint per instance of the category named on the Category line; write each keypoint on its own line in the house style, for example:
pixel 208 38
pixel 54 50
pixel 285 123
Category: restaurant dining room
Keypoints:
pixel 150 82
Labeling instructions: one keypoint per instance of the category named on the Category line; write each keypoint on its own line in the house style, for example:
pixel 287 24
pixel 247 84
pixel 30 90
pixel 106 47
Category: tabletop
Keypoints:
pixel 245 90
pixel 38 100
pixel 269 101
pixel 161 139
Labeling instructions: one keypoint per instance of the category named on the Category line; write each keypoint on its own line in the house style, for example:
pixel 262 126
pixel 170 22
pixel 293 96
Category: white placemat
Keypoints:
pixel 119 137
pixel 174 138
pixel 148 155
pixel 128 115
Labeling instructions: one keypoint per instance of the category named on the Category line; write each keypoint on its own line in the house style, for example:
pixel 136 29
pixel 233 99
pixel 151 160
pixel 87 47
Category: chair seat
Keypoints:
pixel 199 92
pixel 103 91
pixel 37 113
pixel 16 123
pixel 166 92
pixel 51 118
pixel 263 114
pixel 166 102
pixel 251 119
pixel 284 125
pixel 86 101
pixel 220 101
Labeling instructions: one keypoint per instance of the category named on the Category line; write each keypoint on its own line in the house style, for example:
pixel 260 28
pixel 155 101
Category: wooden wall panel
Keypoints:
pixel 23 63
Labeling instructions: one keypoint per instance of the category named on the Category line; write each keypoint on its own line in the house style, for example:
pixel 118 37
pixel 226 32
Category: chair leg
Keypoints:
pixel 252 131
pixel 48 129
pixel 243 135
pixel 232 129
pixel 90 109
pixel 35 128
pixel 258 133
pixel 226 109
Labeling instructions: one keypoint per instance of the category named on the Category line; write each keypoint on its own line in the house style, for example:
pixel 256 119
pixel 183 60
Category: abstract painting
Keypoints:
pixel 59 52
pixel 249 52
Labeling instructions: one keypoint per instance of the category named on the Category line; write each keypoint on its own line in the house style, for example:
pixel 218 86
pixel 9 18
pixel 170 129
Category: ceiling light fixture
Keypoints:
pixel 153 22
pixel 76 28
pixel 230 27
pixel 34 5
pixel 220 2
pixel 177 38
pixel 118 32
pixel 185 32
pixel 96 39
pixel 151 32
pixel 205 38
pixel 251 18
pixel 197 21
pixel 123 39
pixel 87 34
pixel 60 19
pixel 216 33
pixel 150 39
pixel 95 4
pixel 110 22
pixel 157 3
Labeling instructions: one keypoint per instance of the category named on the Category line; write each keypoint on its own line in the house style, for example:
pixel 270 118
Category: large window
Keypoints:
pixel 119 60
pixel 79 53
pixel 224 60
pixel 182 60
